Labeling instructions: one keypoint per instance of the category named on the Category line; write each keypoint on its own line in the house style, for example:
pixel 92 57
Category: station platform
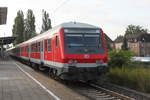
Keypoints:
pixel 16 85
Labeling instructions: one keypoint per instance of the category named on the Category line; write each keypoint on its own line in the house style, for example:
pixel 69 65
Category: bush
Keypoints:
pixel 119 58
pixel 138 79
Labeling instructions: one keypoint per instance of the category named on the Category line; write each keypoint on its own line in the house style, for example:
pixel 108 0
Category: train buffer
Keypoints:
pixel 15 84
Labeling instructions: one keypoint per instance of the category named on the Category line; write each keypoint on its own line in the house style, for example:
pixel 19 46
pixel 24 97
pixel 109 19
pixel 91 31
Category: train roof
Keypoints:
pixel 76 25
pixel 56 29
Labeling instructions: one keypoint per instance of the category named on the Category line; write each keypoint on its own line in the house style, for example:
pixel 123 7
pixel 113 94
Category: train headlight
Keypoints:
pixel 72 61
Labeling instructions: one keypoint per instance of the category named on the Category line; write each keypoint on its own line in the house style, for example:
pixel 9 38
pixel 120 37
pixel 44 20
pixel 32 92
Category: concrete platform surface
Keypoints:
pixel 16 85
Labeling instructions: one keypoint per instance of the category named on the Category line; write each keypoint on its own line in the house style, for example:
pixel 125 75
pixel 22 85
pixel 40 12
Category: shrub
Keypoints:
pixel 119 58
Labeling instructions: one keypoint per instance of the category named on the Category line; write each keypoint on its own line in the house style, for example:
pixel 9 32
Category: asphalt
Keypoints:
pixel 15 84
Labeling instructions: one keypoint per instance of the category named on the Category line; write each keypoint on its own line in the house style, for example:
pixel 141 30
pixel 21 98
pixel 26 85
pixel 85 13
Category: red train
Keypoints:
pixel 72 51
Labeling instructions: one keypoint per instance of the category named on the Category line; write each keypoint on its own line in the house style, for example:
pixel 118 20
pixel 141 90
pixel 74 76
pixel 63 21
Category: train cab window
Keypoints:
pixel 49 45
pixel 56 41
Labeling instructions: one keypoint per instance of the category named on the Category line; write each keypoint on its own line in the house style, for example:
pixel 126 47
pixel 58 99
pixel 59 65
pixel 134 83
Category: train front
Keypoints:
pixel 85 53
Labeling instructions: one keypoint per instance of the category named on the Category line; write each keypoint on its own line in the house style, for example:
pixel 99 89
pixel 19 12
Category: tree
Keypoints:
pixel 133 29
pixel 46 21
pixel 119 58
pixel 18 27
pixel 125 44
pixel 29 25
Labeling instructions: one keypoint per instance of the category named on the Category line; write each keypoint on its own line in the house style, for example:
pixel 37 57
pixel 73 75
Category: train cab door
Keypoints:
pixel 42 51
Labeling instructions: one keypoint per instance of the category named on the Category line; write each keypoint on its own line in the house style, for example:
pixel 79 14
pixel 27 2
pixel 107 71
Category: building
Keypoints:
pixel 118 42
pixel 3 15
pixel 140 44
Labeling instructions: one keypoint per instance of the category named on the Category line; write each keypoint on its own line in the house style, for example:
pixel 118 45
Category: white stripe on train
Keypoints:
pixel 60 65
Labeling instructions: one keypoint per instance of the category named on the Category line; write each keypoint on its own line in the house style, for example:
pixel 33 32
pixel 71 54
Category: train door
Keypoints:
pixel 55 48
pixel 29 51
pixel 41 51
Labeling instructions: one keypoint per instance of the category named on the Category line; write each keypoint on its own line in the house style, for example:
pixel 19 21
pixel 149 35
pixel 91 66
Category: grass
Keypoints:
pixel 145 65
pixel 137 78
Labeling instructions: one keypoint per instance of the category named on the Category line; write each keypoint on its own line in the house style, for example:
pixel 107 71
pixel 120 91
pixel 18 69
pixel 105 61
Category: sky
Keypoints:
pixel 113 16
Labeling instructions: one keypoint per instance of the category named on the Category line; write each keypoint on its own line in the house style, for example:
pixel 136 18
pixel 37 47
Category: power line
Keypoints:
pixel 60 5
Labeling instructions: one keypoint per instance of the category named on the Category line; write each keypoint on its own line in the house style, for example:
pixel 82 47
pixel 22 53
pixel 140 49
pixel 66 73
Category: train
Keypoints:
pixel 71 51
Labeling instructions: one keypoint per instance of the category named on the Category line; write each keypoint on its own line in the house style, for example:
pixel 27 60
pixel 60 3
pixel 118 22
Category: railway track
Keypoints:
pixel 113 95
pixel 95 92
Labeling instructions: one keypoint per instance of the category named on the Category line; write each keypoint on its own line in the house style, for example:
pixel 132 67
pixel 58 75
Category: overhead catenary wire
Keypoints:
pixel 59 6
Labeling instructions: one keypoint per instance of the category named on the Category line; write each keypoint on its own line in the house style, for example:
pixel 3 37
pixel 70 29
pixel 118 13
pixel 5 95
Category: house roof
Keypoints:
pixel 143 37
pixel 108 38
pixel 6 40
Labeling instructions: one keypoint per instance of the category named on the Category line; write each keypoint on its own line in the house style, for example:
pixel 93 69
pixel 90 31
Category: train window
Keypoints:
pixel 38 46
pixel 76 42
pixel 92 40
pixel 82 40
pixel 22 49
pixel 56 41
pixel 35 48
pixel 41 46
pixel 49 45
pixel 27 49
pixel 32 47
pixel 45 44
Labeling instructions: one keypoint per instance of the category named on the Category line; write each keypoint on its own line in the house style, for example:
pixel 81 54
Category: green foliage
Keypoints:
pixel 125 44
pixel 18 27
pixel 29 25
pixel 138 78
pixel 119 39
pixel 133 29
pixel 46 22
pixel 119 58
pixel 24 29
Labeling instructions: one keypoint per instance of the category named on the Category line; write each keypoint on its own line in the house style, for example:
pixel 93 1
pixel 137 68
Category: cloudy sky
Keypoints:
pixel 112 16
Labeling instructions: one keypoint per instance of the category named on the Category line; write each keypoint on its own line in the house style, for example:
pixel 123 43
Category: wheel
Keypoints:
pixel 35 66
pixel 42 68
pixel 50 72
pixel 53 73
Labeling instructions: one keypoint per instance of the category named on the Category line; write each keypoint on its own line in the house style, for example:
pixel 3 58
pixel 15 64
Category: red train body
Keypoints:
pixel 74 51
